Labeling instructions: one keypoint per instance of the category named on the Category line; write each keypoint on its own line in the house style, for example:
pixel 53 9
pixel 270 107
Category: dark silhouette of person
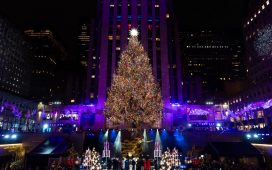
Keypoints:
pixel 115 164
pixel 127 164
pixel 133 163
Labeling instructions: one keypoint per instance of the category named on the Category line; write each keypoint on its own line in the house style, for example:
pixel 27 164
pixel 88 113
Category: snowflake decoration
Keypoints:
pixel 263 42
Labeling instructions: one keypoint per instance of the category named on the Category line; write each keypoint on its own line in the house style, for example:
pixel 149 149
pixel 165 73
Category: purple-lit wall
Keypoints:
pixel 110 9
pixel 152 18
pixel 259 84
pixel 89 116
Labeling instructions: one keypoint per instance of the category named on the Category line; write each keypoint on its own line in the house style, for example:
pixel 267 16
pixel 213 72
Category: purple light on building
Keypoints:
pixel 154 21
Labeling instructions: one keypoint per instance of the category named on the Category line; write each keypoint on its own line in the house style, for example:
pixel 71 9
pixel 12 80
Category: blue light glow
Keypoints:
pixel 14 136
pixel 117 143
pixel 113 135
pixel 255 136
pixel 179 138
pixel 158 138
pixel 164 137
pixel 101 137
pixel 6 136
pixel 144 144
pixel 151 134
pixel 106 136
pixel 45 126
pixel 248 136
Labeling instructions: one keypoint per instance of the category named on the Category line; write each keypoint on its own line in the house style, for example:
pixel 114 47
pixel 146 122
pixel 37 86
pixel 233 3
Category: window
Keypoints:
pixel 260 114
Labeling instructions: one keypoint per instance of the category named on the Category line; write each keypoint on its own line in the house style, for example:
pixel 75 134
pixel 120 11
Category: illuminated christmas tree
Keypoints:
pixel 91 160
pixel 134 99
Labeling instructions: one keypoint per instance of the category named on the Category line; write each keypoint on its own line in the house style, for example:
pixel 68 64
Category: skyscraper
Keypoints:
pixel 210 60
pixel 83 43
pixel 15 60
pixel 257 29
pixel 257 26
pixel 153 19
pixel 47 53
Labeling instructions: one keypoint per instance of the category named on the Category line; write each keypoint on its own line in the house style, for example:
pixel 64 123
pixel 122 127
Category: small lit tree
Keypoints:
pixel 169 159
pixel 91 160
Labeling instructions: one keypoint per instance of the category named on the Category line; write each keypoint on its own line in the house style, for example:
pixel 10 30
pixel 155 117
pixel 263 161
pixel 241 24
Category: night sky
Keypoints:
pixel 63 17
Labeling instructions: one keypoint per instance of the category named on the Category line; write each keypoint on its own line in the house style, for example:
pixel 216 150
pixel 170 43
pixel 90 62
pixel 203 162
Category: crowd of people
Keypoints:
pixel 228 164
pixel 129 163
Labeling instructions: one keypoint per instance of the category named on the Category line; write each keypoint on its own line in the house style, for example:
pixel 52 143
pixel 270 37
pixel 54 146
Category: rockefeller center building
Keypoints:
pixel 154 21
pixel 252 106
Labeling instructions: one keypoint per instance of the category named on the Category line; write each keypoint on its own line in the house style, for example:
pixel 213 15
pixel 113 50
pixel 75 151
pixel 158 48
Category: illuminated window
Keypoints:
pixel 93 76
pixel 267 2
pixel 110 37
pixel 263 6
pixel 260 114
pixel 157 6
pixel 167 16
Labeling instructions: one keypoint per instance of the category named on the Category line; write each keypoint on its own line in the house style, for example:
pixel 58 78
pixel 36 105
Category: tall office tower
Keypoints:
pixel 210 60
pixel 258 50
pixel 91 85
pixel 83 43
pixel 154 20
pixel 257 27
pixel 15 60
pixel 70 77
pixel 48 52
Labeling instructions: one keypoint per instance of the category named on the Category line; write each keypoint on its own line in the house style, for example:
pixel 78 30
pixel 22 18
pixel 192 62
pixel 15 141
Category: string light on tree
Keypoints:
pixel 170 159
pixel 91 160
pixel 134 99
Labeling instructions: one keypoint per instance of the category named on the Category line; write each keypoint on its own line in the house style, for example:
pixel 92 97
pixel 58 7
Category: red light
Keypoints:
pixel 150 27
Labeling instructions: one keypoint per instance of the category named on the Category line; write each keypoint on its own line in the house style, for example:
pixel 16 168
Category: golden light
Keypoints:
pixel 11 145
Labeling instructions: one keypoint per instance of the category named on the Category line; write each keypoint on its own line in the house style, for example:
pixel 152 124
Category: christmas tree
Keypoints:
pixel 91 160
pixel 134 99
pixel 170 159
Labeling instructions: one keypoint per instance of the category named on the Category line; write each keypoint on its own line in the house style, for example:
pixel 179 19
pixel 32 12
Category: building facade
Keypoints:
pixel 251 107
pixel 17 113
pixel 48 52
pixel 83 43
pixel 210 60
pixel 15 60
pixel 154 20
